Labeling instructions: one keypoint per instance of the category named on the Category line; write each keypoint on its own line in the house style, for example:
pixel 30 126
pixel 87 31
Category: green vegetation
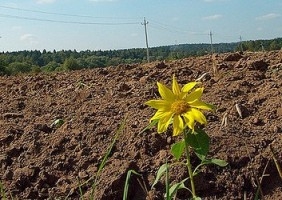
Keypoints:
pixel 181 108
pixel 95 179
pixel 12 63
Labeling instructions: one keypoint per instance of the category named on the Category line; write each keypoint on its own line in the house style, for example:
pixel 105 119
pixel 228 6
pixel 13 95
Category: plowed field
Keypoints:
pixel 42 160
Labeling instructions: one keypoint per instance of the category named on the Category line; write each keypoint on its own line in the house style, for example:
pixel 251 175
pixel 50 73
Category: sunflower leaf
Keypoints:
pixel 177 149
pixel 215 161
pixel 199 141
pixel 160 173
pixel 177 186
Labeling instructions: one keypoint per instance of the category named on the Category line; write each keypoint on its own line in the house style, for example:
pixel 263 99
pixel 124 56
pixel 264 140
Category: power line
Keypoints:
pixel 67 22
pixel 174 29
pixel 63 14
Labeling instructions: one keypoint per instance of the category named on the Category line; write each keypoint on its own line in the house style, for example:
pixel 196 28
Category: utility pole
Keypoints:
pixel 241 45
pixel 214 63
pixel 211 42
pixel 146 35
pixel 262 47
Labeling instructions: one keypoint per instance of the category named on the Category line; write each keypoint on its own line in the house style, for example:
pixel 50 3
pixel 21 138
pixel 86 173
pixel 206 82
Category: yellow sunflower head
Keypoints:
pixel 179 106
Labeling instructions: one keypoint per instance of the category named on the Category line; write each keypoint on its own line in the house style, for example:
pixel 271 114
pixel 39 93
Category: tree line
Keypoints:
pixel 12 63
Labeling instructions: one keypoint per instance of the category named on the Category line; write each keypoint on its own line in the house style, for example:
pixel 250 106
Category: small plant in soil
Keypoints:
pixel 182 107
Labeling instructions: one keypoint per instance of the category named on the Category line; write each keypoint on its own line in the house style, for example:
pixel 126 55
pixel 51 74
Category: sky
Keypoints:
pixel 119 24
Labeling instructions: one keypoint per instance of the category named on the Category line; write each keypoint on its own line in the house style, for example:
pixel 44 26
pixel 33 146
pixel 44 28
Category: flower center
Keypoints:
pixel 179 107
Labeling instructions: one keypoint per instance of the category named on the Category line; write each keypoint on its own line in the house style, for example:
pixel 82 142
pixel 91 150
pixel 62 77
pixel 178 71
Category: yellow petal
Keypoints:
pixel 165 93
pixel 189 86
pixel 159 104
pixel 198 116
pixel 164 123
pixel 195 95
pixel 201 105
pixel 189 120
pixel 178 125
pixel 182 95
pixel 175 86
pixel 160 114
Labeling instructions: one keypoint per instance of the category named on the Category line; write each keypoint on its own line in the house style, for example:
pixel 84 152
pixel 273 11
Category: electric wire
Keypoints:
pixel 63 14
pixel 153 24
pixel 174 29
pixel 66 22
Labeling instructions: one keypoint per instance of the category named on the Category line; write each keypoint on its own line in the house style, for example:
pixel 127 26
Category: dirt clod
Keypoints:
pixel 39 161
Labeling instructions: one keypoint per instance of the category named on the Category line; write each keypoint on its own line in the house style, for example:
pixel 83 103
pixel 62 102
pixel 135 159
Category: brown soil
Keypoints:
pixel 39 160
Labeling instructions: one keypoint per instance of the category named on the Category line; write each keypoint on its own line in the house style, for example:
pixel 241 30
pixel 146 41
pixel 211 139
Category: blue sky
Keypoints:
pixel 116 24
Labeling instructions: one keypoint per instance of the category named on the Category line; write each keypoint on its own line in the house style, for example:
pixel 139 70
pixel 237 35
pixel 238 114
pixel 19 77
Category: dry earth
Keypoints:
pixel 41 161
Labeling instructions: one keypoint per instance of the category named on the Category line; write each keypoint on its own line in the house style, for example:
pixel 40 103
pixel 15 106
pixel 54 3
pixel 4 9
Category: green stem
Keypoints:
pixel 188 163
pixel 167 181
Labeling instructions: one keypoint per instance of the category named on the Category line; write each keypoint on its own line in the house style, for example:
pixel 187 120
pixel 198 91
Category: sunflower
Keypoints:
pixel 179 106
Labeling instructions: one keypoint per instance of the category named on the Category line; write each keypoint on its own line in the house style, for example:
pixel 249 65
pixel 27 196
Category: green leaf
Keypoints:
pixel 126 185
pixel 167 182
pixel 57 123
pixel 206 161
pixel 160 173
pixel 199 141
pixel 219 162
pixel 177 149
pixel 174 188
pixel 202 158
pixel 152 124
pixel 106 156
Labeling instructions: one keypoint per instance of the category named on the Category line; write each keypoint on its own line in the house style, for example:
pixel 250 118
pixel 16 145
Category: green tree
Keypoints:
pixel 18 68
pixel 274 45
pixel 36 69
pixel 3 69
pixel 96 61
pixel 71 64
pixel 50 67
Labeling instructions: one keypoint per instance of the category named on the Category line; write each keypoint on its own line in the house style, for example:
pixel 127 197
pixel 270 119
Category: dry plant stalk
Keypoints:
pixel 202 76
pixel 258 181
pixel 276 162
pixel 214 67
pixel 238 109
pixel 224 121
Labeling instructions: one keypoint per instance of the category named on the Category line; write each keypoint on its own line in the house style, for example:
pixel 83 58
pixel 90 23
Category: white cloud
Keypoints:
pixel 259 28
pixel 29 38
pixel 13 5
pixel 268 16
pixel 16 28
pixel 45 1
pixel 212 17
pixel 175 19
